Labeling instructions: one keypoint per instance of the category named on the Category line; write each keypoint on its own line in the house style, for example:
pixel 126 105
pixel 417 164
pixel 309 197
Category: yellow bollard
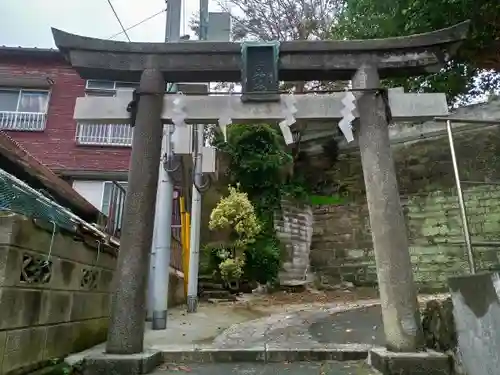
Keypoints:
pixel 182 210
pixel 185 243
pixel 186 253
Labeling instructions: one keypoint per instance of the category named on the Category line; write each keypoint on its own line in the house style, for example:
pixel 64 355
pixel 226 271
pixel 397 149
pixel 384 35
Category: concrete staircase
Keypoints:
pixel 294 227
pixel 213 292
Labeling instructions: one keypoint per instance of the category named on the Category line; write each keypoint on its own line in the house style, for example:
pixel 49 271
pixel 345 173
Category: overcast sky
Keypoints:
pixel 27 23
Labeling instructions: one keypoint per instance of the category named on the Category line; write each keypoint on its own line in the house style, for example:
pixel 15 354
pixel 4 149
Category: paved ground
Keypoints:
pixel 360 326
pixel 300 368
pixel 249 324
pixel 202 327
pixel 313 324
pixel 183 328
pixel 292 326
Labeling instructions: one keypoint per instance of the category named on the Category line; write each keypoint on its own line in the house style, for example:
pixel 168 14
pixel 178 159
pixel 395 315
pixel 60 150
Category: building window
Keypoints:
pixel 109 192
pixel 24 110
pixel 95 87
pixel 105 134
pixel 113 204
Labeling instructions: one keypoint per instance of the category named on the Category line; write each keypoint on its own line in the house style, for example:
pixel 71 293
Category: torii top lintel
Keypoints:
pixel 195 61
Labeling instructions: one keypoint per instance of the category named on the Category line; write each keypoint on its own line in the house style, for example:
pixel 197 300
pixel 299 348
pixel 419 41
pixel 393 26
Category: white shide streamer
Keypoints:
pixel 289 110
pixel 179 116
pixel 225 119
pixel 348 117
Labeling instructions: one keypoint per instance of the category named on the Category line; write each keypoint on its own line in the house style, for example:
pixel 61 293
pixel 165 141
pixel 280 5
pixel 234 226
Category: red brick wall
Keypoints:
pixel 56 146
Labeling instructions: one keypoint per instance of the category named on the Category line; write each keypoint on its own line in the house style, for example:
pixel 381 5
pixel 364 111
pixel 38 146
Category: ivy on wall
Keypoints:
pixel 261 164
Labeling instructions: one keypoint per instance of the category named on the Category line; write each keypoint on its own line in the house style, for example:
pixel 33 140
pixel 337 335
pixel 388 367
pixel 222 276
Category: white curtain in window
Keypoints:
pixel 33 101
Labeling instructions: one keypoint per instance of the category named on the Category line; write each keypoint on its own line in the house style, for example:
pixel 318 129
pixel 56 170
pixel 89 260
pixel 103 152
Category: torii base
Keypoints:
pixel 118 364
pixel 421 363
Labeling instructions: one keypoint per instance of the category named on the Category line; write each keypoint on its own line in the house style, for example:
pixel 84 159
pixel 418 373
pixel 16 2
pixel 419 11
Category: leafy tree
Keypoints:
pixel 471 73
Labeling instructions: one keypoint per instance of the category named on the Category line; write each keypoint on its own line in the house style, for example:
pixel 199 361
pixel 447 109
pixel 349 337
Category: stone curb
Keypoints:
pixel 429 362
pixel 264 353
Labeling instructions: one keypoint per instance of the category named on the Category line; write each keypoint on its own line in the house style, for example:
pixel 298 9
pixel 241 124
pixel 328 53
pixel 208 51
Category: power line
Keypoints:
pixel 138 23
pixel 118 19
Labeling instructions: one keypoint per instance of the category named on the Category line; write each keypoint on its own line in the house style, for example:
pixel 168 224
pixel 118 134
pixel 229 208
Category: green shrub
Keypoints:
pixel 236 212
pixel 231 269
pixel 262 260
pixel 214 254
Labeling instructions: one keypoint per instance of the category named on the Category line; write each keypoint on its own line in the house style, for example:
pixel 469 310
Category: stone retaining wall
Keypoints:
pixel 294 228
pixel 343 251
pixel 54 305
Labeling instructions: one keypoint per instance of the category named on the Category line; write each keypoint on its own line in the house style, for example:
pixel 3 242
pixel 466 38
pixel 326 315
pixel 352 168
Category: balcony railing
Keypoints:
pixel 104 134
pixel 23 121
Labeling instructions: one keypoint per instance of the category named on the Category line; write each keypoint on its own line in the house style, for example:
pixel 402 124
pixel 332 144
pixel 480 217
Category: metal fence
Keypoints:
pixel 18 197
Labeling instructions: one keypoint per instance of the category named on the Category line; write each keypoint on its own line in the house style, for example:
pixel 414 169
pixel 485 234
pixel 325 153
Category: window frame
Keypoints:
pixel 43 114
pixel 109 183
pixel 90 90
pixel 19 96
pixel 103 92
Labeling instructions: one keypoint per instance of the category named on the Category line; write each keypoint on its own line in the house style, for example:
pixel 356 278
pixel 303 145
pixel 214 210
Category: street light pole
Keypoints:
pixel 162 238
pixel 194 251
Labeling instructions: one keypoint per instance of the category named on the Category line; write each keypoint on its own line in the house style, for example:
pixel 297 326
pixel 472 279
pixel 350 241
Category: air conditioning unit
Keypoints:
pixel 183 140
pixel 209 159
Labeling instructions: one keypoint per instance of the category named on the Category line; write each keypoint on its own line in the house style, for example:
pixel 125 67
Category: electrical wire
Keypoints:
pixel 139 23
pixel 118 19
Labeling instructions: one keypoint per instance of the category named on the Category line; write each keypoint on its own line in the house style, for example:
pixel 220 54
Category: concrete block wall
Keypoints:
pixel 343 250
pixel 47 312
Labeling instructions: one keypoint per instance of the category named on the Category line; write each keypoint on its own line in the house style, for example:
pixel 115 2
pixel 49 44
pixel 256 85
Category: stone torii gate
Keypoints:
pixel 260 68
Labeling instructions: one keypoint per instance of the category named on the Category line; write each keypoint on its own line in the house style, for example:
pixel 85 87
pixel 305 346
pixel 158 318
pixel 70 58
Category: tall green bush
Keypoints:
pixel 236 214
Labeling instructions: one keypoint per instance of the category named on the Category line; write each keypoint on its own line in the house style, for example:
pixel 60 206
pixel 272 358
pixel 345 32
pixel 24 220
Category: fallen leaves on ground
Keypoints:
pixel 173 367
pixel 314 296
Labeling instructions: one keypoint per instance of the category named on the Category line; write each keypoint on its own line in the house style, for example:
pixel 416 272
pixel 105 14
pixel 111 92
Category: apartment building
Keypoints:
pixel 38 90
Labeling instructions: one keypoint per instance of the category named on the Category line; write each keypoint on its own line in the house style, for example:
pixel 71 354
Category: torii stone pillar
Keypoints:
pixel 400 313
pixel 128 309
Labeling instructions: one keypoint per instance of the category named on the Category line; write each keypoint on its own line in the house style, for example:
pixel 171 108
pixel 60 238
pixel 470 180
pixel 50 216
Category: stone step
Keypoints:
pixel 295 268
pixel 209 285
pixel 215 294
pixel 284 276
pixel 218 301
pixel 244 355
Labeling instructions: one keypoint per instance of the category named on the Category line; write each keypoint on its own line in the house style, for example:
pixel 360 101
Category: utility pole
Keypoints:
pixel 162 238
pixel 194 251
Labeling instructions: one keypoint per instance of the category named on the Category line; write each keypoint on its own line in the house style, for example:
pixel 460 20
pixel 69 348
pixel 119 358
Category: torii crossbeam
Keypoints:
pixel 199 61
pixel 201 109
pixel 260 69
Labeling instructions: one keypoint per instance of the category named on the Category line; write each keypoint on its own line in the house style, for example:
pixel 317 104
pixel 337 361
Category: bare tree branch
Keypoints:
pixel 282 19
